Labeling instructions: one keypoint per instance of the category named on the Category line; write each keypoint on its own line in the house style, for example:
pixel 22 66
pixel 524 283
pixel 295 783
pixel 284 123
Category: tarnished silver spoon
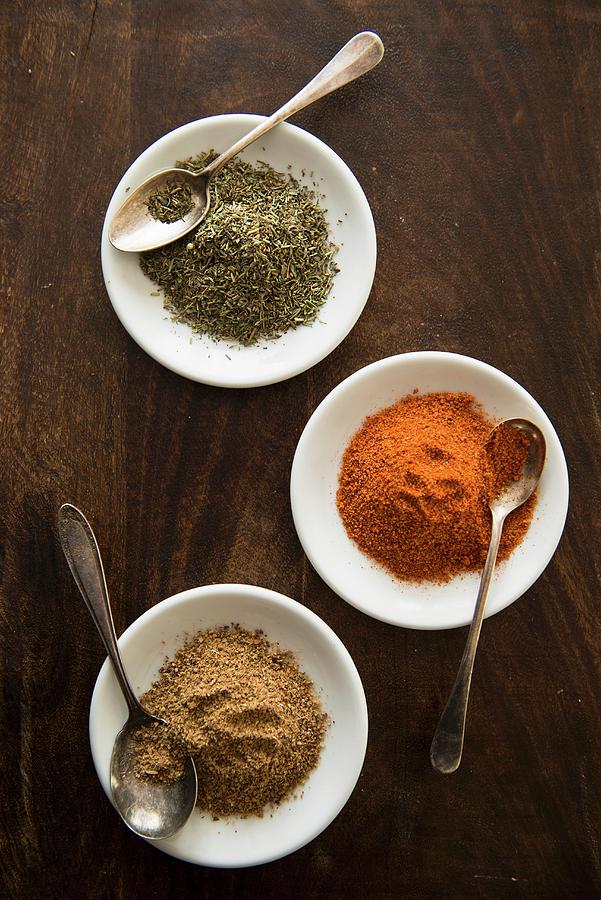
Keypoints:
pixel 151 810
pixel 133 229
pixel 447 746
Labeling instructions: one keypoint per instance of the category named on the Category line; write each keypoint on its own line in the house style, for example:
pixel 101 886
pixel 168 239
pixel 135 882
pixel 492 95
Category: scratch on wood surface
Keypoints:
pixel 498 877
pixel 26 756
pixel 589 816
pixel 93 19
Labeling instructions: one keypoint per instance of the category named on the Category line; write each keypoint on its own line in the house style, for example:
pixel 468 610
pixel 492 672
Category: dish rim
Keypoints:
pixel 283 371
pixel 326 406
pixel 345 661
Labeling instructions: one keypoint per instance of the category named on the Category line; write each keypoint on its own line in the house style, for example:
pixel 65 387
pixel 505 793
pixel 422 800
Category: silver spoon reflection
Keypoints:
pixel 447 746
pixel 133 229
pixel 151 810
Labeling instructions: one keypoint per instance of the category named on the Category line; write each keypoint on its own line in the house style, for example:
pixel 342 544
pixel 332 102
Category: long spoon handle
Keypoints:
pixel 358 56
pixel 80 548
pixel 447 746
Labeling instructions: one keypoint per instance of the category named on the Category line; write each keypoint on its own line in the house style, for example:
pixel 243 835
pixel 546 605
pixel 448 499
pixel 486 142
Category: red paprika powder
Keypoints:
pixel 415 484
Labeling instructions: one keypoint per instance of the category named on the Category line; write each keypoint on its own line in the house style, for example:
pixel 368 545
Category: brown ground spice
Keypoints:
pixel 415 484
pixel 244 710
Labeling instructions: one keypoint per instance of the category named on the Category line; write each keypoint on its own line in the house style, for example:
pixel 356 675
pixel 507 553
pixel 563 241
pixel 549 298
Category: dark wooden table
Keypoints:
pixel 477 142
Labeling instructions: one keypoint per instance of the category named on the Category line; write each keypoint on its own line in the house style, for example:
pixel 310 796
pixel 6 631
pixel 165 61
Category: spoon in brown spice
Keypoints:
pixel 132 228
pixel 447 746
pixel 149 809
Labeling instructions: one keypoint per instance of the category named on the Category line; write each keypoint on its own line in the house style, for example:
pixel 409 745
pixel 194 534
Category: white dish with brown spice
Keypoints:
pixel 158 633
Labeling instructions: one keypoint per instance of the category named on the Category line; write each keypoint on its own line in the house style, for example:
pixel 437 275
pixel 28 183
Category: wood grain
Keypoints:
pixel 477 141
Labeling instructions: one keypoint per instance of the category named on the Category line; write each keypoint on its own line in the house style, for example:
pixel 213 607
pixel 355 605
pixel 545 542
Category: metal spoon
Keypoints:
pixel 133 229
pixel 447 746
pixel 151 810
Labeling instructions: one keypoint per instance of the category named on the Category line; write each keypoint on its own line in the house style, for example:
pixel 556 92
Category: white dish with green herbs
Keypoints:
pixel 327 287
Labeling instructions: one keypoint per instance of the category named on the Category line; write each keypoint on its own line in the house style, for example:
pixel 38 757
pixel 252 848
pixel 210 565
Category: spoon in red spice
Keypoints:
pixel 447 746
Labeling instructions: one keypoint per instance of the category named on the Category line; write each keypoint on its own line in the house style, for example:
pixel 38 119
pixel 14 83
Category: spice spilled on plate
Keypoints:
pixel 246 712
pixel 416 480
pixel 259 264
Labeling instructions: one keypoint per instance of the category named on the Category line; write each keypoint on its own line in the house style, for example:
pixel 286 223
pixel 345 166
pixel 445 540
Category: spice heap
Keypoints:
pixel 246 713
pixel 260 263
pixel 416 481
pixel 171 203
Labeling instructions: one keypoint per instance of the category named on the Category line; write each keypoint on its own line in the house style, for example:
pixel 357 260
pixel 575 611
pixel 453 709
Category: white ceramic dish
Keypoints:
pixel 245 842
pixel 218 363
pixel 314 482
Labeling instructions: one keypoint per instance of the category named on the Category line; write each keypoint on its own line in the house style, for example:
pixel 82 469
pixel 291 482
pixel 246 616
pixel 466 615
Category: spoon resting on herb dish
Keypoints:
pixel 134 229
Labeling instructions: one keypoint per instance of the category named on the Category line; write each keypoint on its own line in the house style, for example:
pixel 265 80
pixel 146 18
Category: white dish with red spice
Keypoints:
pixel 159 632
pixel 314 481
pixel 225 363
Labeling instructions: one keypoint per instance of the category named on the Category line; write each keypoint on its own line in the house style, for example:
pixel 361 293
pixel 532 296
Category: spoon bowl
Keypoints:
pixel 146 806
pixel 133 229
pixel 150 810
pixel 517 492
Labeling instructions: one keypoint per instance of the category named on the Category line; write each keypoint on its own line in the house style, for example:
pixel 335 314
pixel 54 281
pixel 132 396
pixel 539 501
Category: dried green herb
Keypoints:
pixel 259 264
pixel 172 202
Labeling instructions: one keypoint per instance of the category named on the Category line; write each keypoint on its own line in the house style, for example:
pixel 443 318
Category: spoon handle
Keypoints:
pixel 358 56
pixel 80 548
pixel 447 745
